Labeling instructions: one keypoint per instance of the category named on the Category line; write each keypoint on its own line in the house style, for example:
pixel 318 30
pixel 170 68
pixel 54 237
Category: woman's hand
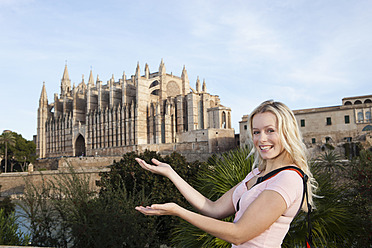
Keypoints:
pixel 159 167
pixel 159 209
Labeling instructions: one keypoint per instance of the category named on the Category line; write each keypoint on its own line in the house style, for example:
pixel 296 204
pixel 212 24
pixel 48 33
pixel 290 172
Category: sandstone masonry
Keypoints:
pixel 156 111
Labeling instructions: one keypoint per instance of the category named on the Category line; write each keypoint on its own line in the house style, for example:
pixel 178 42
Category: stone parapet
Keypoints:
pixel 13 183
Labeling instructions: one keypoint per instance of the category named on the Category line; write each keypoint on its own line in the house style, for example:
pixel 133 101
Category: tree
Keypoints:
pixel 55 206
pixel 221 173
pixel 330 161
pixel 330 220
pixel 21 153
pixel 65 212
pixel 8 139
pixel 127 174
pixel 359 197
pixel 9 232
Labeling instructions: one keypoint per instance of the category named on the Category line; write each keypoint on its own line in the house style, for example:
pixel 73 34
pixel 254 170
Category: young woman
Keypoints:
pixel 264 212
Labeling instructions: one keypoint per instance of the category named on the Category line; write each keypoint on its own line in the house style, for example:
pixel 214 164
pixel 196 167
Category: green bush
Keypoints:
pixel 66 212
pixel 9 230
pixel 127 174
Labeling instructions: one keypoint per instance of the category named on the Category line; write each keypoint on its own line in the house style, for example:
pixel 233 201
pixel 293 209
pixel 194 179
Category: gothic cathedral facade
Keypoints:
pixel 155 111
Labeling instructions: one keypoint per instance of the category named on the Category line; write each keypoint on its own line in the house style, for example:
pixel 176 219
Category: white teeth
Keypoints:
pixel 265 147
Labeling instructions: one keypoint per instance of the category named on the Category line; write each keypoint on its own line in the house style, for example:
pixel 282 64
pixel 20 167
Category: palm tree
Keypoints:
pixel 7 138
pixel 221 174
pixel 330 161
pixel 330 221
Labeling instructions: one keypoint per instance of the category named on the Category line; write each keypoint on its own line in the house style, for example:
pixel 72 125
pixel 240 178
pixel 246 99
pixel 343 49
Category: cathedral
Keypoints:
pixel 155 111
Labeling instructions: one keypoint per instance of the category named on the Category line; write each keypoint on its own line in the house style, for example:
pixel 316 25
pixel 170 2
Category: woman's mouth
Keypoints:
pixel 265 148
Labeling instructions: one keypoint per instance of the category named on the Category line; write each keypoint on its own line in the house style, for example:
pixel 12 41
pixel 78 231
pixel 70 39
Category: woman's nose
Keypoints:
pixel 262 137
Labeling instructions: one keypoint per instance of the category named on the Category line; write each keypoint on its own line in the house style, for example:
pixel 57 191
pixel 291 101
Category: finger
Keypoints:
pixel 143 164
pixel 154 206
pixel 139 161
pixel 148 210
pixel 155 161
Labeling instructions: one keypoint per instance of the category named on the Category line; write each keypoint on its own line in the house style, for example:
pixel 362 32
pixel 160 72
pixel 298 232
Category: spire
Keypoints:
pixel 111 81
pixel 184 75
pixel 204 89
pixel 138 71
pixel 197 85
pixel 91 81
pixel 43 96
pixel 124 77
pixel 65 83
pixel 162 67
pixel 185 81
pixel 65 74
pixel 147 71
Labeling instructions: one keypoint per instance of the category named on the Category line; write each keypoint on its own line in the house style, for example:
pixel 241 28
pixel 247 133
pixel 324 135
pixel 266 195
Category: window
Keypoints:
pixel 360 117
pixel 347 119
pixel 302 122
pixel 368 116
pixel 313 141
pixel 327 139
pixel 348 139
pixel 245 127
pixel 155 92
pixel 155 83
pixel 223 124
pixel 329 121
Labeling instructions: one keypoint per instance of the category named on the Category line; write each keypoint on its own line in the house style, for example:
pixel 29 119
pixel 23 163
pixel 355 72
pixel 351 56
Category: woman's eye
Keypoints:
pixel 270 130
pixel 256 132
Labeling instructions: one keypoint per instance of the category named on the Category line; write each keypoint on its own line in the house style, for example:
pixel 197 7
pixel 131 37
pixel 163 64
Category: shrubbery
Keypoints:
pixel 67 212
pixel 9 228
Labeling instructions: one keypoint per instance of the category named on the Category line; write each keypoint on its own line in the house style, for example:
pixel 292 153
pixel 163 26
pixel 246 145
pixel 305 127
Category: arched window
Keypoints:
pixel 358 102
pixel 223 120
pixel 368 115
pixel 360 116
pixel 348 103
pixel 367 128
pixel 368 101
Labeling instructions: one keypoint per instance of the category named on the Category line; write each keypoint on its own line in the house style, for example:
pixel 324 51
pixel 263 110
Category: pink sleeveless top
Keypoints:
pixel 290 186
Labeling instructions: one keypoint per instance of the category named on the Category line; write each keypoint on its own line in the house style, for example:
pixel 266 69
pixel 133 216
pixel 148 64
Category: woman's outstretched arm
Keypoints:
pixel 219 209
pixel 258 217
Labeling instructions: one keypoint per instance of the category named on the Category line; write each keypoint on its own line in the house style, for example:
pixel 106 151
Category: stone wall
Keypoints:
pixel 13 183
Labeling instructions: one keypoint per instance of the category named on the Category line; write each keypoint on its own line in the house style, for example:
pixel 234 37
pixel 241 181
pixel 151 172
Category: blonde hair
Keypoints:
pixel 291 140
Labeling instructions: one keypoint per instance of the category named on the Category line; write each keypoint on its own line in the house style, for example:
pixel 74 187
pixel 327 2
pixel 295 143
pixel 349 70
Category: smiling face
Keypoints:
pixel 266 137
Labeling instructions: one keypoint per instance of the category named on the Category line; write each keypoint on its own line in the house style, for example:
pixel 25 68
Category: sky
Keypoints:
pixel 304 53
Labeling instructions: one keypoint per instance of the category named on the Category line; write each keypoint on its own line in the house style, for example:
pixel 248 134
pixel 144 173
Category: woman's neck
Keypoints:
pixel 278 162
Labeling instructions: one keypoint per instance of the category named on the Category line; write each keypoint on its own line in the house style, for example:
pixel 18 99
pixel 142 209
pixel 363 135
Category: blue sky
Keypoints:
pixel 305 53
